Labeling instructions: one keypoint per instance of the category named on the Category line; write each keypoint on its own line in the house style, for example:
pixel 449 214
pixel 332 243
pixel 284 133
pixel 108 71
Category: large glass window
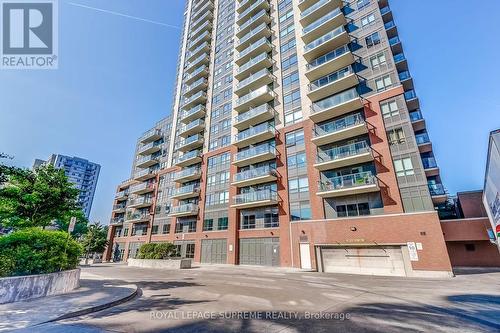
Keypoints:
pixel 404 167
pixel 348 210
pixel 300 211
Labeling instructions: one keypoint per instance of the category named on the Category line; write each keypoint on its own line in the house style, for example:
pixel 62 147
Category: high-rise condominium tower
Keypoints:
pixel 296 139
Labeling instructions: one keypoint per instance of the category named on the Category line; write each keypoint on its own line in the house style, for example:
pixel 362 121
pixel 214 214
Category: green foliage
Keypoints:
pixel 36 251
pixel 157 251
pixel 80 226
pixel 95 239
pixel 36 198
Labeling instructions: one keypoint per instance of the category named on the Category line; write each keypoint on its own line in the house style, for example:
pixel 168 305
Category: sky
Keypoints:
pixel 117 72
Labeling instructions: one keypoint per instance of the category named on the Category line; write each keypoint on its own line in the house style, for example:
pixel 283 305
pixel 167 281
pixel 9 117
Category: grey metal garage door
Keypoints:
pixel 260 251
pixel 376 260
pixel 214 251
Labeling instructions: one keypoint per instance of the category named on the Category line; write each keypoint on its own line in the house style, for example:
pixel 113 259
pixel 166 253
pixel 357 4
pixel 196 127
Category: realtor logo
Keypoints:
pixel 29 34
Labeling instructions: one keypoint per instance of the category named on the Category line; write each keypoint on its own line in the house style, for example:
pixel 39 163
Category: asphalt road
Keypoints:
pixel 255 299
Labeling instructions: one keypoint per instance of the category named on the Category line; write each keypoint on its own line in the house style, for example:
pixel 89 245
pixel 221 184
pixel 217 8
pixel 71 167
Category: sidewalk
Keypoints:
pixel 93 295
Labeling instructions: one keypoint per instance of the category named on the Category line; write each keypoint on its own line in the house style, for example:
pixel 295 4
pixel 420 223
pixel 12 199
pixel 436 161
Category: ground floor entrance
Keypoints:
pixel 260 251
pixel 372 260
pixel 185 249
pixel 214 251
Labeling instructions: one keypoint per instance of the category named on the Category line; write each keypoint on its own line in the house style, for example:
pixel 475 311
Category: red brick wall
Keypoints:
pixel 471 204
pixel 485 254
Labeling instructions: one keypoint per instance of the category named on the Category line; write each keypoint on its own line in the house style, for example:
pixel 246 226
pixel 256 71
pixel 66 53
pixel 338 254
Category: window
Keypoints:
pixel 298 185
pixel 291 100
pixel 378 60
pixel 294 138
pixel 396 136
pixel 189 250
pixel 404 167
pixel 293 117
pixel 288 62
pixel 367 20
pixel 154 230
pixel 208 225
pixel 373 39
pixel 300 211
pixel 359 209
pixel 223 223
pixel 363 3
pixel 390 109
pixel 291 79
pixel 296 161
pixel 383 83
pixel 166 229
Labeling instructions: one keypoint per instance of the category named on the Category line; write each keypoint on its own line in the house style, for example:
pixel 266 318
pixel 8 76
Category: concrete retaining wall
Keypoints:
pixel 163 264
pixel 19 288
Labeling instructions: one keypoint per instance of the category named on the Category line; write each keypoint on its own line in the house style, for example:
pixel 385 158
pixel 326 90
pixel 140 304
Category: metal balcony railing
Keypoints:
pixel 347 181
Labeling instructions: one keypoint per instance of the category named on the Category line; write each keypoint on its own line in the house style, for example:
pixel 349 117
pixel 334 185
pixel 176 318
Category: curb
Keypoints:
pixel 92 309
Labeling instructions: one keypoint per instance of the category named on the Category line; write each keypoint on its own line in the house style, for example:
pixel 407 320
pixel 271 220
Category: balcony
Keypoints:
pixel 256 6
pixel 401 62
pixel 323 25
pixel 312 10
pixel 332 84
pixel 339 129
pixel 253 65
pixel 254 81
pixel 146 161
pixel 391 29
pixel 406 80
pixel 257 19
pixel 191 143
pixel 242 5
pixel 186 192
pixel 254 116
pixel 198 85
pixel 396 45
pixel 201 71
pixel 417 121
pixel 198 11
pixel 204 37
pixel 117 221
pixel 430 166
pixel 137 217
pixel 198 98
pixel 255 199
pixel 423 142
pixel 254 49
pixel 411 100
pixel 358 183
pixel 338 157
pixel 189 158
pixel 144 174
pixel 141 202
pixel 203 59
pixel 194 113
pixel 208 16
pixel 336 106
pixel 255 155
pixel 255 98
pixel 207 26
pixel 330 62
pixel 261 31
pixel 142 188
pixel 192 128
pixel 149 148
pixel 205 48
pixel 119 208
pixel 151 135
pixel 253 135
pixel 253 176
pixel 187 175
pixel 184 210
pixel 326 43
pixel 122 195
pixel 438 193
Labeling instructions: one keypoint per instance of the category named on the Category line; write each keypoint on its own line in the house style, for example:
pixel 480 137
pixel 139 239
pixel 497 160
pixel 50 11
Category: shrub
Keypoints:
pixel 157 251
pixel 36 251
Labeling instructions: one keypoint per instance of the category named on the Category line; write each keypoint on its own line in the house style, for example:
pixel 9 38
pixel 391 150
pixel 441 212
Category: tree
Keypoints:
pixel 36 198
pixel 95 239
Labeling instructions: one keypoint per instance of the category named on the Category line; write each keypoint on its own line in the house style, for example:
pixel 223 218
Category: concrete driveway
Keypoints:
pixel 256 299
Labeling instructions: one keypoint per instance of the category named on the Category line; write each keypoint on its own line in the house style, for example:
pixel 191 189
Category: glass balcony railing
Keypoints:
pixel 416 115
pixel 389 25
pixel 422 138
pixel 187 208
pixel 137 216
pixel 255 196
pixel 206 34
pixel 250 9
pixel 323 39
pixel 254 131
pixel 334 100
pixel 187 172
pixel 313 8
pixel 186 190
pixel 142 187
pixel 252 20
pixel 201 47
pixel 320 21
pixel 338 125
pixel 327 57
pixel 189 155
pixel 254 173
pixel 333 77
pixel 189 140
pixel 252 62
pixel 249 35
pixel 404 76
pixel 196 109
pixel 394 40
pixel 385 10
pixel 196 72
pixel 254 151
pixel 253 112
pixel 197 60
pixel 191 125
pixel 347 181
pixel 148 146
pixel 146 159
pixel 253 77
pixel 253 46
pixel 429 162
pixel 410 94
pixel 337 153
pixel 143 173
pixel 121 194
pixel 399 57
pixel 140 201
pixel 119 206
pixel 200 94
pixel 150 133
pixel 248 97
pixel 436 189
pixel 117 220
